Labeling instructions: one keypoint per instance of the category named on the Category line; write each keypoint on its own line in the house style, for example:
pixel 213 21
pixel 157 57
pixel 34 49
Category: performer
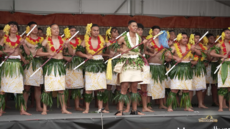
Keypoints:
pixel 54 71
pixel 129 69
pixel 11 70
pixel 157 68
pixel 33 41
pixel 40 32
pixel 1 33
pixel 199 70
pixel 223 74
pixel 145 74
pixel 111 35
pixel 95 78
pixel 74 78
pixel 211 78
pixel 181 75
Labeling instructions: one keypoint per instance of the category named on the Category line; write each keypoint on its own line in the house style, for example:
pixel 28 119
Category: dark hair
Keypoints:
pixel 156 27
pixel 113 28
pixel 32 22
pixel 139 25
pixel 53 24
pixel 94 25
pixel 197 34
pixel 40 29
pixel 13 23
pixel 184 33
pixel 70 27
pixel 209 35
pixel 1 28
pixel 225 29
pixel 131 21
pixel 171 31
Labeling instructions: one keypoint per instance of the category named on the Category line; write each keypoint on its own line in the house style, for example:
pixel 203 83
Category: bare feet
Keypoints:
pixel 119 114
pixel 162 107
pixel 202 106
pixel 104 111
pixel 225 106
pixel 66 112
pixel 170 110
pixel 79 109
pixel 139 113
pixel 86 111
pixel 25 113
pixel 126 110
pixel 146 110
pixel 106 108
pixel 150 108
pixel 188 109
pixel 44 113
pixel 220 110
pixel 39 110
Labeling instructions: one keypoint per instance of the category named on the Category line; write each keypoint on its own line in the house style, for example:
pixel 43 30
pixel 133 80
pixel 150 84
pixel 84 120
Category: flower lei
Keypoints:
pixel 89 46
pixel 76 44
pixel 203 48
pixel 34 41
pixel 223 48
pixel 112 41
pixel 10 43
pixel 156 47
pixel 179 51
pixel 51 45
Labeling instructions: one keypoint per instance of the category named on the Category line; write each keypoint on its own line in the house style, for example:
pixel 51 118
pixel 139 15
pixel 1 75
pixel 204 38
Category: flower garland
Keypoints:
pixel 223 47
pixel 76 44
pixel 89 46
pixel 8 42
pixel 203 48
pixel 179 51
pixel 156 47
pixel 51 45
pixel 112 41
pixel 34 41
pixel 130 45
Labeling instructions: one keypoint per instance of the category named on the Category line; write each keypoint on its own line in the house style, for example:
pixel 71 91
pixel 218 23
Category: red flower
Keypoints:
pixel 98 45
pixel 156 47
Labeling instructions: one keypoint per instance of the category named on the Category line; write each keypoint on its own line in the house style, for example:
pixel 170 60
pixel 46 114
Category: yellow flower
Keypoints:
pixel 223 36
pixel 168 35
pixel 191 39
pixel 6 29
pixel 150 32
pixel 27 29
pixel 48 32
pixel 88 28
pixel 205 41
pixel 108 34
pixel 67 33
pixel 179 37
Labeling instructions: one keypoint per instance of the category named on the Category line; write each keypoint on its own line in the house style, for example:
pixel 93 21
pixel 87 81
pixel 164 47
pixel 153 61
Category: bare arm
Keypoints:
pixel 79 53
pixel 214 54
pixel 40 52
pixel 4 51
pixel 120 41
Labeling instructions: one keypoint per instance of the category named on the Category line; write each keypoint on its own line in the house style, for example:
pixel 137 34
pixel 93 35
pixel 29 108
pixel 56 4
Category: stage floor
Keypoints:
pixel 55 113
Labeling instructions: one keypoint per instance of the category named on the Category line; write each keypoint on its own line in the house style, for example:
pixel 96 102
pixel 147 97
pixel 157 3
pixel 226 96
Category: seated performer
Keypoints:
pixel 129 68
pixel 222 51
pixel 181 75
pixel 54 71
pixel 11 70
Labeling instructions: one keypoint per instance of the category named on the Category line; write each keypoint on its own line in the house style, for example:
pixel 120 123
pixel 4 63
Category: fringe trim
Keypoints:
pixel 74 62
pixel 54 64
pixel 183 71
pixel 185 100
pixel 12 67
pixel 88 98
pixel 135 97
pixel 2 102
pixel 46 98
pixel 107 96
pixel 95 66
pixel 100 95
pixel 122 98
pixel 158 73
pixel 222 91
pixel 199 69
pixel 213 69
pixel 20 102
pixel 171 100
pixel 76 93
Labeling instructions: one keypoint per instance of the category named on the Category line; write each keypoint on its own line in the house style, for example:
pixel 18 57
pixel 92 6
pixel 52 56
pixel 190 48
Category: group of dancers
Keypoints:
pixel 139 69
